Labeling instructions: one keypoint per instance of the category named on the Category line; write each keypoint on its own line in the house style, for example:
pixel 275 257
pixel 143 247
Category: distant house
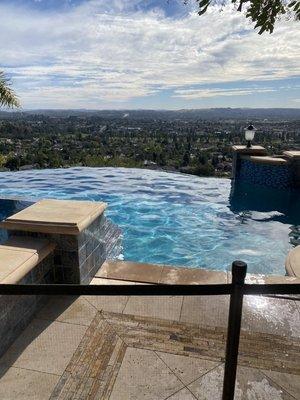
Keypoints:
pixel 150 164
pixel 28 167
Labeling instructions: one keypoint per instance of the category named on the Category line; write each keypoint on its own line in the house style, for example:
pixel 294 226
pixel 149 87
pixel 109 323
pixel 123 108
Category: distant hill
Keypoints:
pixel 204 114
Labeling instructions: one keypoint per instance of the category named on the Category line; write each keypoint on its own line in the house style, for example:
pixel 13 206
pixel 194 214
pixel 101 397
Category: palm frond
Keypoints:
pixel 8 97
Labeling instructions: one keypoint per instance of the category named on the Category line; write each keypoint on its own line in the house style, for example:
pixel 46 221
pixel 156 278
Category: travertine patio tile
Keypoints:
pixel 290 383
pixel 260 314
pixel 187 369
pixel 164 307
pixel 267 279
pixel 68 309
pixel 108 303
pixel 193 353
pixel 275 316
pixel 205 310
pixel 44 346
pixel 183 394
pixel 130 271
pixel 144 376
pixel 191 276
pixel 22 384
pixel 251 384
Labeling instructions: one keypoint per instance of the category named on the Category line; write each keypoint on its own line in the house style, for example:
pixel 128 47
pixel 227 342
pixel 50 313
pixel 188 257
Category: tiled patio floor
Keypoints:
pixel 145 348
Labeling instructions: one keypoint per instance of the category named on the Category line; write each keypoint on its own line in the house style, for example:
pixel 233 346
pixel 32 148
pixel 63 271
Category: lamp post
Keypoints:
pixel 249 135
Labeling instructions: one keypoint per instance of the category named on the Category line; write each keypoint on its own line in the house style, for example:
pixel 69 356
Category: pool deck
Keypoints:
pixel 153 348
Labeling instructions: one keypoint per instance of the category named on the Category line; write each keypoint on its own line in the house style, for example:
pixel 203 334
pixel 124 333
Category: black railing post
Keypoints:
pixel 239 269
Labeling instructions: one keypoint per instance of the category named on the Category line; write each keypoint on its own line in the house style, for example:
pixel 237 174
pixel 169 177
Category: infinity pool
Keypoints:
pixel 176 219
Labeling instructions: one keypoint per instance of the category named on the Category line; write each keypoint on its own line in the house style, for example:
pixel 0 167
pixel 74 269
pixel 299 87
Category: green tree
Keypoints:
pixel 204 170
pixel 263 13
pixel 2 160
pixel 8 97
pixel 13 163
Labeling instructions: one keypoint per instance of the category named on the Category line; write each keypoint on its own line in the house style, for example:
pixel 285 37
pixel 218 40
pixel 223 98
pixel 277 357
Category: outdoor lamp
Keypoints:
pixel 249 135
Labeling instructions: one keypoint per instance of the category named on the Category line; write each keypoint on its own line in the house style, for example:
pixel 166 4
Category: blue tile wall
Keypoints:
pixel 276 176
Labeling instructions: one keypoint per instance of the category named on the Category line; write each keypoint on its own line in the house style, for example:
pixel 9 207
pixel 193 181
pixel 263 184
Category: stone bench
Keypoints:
pixel 23 260
pixel 20 256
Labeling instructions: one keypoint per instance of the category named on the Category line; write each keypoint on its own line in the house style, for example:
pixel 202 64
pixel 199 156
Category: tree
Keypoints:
pixel 263 13
pixel 186 159
pixel 8 97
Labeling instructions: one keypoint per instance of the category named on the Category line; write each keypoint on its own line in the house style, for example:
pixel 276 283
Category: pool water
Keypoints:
pixel 176 219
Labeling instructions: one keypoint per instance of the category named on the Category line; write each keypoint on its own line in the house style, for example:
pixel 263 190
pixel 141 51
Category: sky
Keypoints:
pixel 144 54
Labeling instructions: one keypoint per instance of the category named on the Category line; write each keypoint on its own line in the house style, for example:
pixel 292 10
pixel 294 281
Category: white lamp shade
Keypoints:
pixel 249 135
pixel 250 132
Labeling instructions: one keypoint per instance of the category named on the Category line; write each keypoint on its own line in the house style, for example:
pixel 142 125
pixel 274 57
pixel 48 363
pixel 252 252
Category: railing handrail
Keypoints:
pixel 148 290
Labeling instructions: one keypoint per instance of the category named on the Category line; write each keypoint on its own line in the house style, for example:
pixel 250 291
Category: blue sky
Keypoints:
pixel 102 54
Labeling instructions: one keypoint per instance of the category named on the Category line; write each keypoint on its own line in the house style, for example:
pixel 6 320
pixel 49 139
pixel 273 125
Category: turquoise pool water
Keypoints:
pixel 173 218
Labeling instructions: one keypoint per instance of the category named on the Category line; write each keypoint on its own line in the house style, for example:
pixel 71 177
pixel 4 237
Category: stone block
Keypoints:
pixel 70 259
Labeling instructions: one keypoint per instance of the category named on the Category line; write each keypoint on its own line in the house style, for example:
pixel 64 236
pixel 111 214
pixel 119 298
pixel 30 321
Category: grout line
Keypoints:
pixel 112 327
pixel 61 322
pixel 181 308
pixel 272 380
pixel 91 304
pixel 227 277
pixel 31 369
pixel 171 395
pixel 205 373
pixel 161 274
pixel 155 352
pixel 186 386
pixel 191 392
pixel 128 298
pixel 104 319
pixel 177 376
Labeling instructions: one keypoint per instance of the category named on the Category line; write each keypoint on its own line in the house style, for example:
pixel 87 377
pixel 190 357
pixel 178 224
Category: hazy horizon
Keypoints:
pixel 149 109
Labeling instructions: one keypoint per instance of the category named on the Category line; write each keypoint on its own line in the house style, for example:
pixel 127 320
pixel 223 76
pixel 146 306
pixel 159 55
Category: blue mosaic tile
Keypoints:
pixel 276 176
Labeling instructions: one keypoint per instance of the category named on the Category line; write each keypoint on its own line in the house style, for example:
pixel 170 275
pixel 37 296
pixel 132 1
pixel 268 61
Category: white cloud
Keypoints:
pixel 102 52
pixel 205 93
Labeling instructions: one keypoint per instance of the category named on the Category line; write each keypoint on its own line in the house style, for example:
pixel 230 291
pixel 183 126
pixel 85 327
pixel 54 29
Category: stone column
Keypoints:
pixel 294 158
pixel 244 150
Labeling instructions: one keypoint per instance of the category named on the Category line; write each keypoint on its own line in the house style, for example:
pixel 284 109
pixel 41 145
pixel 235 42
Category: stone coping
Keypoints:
pixel 292 263
pixel 19 255
pixel 253 150
pixel 161 274
pixel 68 217
pixel 266 160
pixel 293 154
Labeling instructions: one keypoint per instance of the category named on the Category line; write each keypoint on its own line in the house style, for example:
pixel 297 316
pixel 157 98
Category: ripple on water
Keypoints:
pixel 167 218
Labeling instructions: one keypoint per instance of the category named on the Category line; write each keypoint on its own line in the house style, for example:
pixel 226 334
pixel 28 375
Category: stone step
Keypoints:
pixel 19 255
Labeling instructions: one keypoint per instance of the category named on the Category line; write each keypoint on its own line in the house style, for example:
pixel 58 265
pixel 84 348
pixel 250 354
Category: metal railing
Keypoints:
pixel 237 289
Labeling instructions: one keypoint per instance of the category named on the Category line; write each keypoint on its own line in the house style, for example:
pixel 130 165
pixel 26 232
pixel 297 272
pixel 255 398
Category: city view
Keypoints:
pixel 192 141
